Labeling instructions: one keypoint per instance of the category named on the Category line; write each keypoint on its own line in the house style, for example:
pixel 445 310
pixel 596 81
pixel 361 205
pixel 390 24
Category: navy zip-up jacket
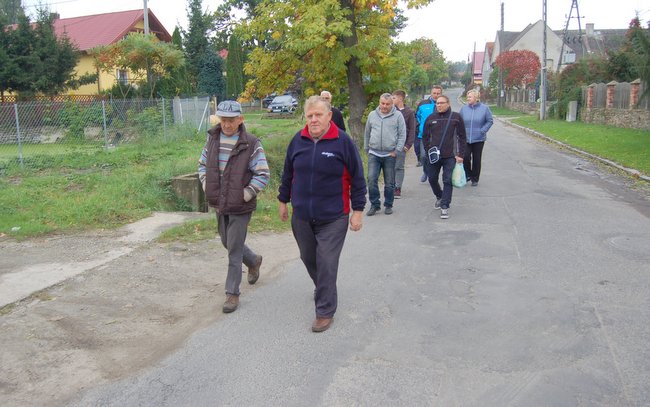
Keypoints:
pixel 323 178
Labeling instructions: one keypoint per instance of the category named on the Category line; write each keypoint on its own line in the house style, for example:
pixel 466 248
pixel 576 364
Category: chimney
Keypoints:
pixel 590 29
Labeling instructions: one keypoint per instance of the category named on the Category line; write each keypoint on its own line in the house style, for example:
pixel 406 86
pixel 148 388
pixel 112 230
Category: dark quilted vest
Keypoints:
pixel 226 193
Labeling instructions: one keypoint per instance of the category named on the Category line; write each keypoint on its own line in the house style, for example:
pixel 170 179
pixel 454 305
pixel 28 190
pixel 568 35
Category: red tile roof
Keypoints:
pixel 87 32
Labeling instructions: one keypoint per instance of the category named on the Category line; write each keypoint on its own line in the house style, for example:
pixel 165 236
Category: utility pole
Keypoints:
pixel 565 35
pixel 542 85
pixel 500 101
pixel 146 18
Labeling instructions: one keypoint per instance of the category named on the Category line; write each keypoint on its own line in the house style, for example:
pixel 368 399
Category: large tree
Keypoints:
pixel 210 80
pixel 234 68
pixel 520 68
pixel 34 60
pixel 195 39
pixel 146 58
pixel 638 46
pixel 425 53
pixel 10 11
pixel 333 44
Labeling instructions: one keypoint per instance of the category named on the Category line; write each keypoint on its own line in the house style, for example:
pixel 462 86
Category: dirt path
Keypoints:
pixel 123 302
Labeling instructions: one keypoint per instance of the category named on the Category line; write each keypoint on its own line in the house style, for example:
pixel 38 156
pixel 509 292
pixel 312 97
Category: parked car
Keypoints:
pixel 266 101
pixel 283 104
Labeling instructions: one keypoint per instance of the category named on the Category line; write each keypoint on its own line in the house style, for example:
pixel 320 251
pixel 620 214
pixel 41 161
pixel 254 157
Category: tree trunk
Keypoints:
pixel 358 101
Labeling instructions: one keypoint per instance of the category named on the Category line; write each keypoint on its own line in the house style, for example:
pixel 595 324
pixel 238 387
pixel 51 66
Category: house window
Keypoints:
pixel 122 77
pixel 569 58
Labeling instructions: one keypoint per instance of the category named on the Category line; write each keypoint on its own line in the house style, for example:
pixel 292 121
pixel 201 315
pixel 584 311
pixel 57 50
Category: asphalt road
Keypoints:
pixel 533 293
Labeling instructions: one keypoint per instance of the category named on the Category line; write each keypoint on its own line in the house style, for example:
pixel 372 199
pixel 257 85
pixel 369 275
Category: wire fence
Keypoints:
pixel 32 132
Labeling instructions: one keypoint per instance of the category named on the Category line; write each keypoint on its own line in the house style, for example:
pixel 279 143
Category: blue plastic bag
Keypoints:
pixel 458 178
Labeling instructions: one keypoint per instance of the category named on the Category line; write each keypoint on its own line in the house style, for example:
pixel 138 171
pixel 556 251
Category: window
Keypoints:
pixel 122 76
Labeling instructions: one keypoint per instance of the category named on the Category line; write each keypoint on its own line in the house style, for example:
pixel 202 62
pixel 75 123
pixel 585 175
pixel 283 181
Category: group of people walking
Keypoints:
pixel 323 178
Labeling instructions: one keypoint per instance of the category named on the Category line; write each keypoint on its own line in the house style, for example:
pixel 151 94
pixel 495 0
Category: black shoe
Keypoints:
pixel 388 210
pixel 474 183
pixel 372 211
pixel 438 203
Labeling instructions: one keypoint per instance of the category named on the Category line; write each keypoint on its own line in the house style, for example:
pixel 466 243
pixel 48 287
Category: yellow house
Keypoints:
pixel 88 32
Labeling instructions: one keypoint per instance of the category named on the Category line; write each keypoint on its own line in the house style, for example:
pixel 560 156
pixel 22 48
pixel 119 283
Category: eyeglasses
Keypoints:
pixel 441 103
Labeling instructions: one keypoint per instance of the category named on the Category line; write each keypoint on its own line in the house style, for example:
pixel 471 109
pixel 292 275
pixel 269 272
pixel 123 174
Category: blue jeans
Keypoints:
pixel 433 171
pixel 387 165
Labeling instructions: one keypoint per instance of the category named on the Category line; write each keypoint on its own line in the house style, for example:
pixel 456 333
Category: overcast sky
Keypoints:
pixel 455 25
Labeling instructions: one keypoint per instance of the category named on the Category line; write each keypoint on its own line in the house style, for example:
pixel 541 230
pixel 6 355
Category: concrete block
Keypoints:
pixel 188 187
pixel 572 111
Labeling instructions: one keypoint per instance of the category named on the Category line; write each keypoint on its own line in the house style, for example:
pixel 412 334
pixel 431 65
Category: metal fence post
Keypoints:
pixel 196 110
pixel 164 120
pixel 20 145
pixel 105 131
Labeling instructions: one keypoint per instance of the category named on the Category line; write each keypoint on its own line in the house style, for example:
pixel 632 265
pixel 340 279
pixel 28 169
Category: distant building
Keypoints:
pixel 477 68
pixel 88 32
pixel 577 45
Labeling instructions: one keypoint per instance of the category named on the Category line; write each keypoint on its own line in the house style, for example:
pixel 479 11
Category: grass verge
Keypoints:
pixel 628 147
pixel 107 189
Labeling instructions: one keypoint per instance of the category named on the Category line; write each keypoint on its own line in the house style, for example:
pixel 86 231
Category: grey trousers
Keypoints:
pixel 232 230
pixel 320 245
pixel 400 160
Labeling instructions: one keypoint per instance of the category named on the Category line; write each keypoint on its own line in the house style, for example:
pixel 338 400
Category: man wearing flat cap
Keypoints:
pixel 233 170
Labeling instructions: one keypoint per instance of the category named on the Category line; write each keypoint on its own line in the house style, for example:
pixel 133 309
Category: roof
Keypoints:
pixel 506 38
pixel 478 62
pixel 489 48
pixel 599 43
pixel 87 32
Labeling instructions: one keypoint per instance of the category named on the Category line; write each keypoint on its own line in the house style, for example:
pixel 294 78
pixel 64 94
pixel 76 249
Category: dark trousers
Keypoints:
pixel 433 171
pixel 472 160
pixel 422 155
pixel 320 245
pixel 232 230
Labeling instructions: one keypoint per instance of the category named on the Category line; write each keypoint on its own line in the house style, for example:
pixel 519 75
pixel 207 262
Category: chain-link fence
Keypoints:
pixel 33 131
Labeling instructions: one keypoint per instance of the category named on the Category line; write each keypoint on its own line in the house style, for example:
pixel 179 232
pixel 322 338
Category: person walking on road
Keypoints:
pixel 384 137
pixel 409 118
pixel 478 120
pixel 424 109
pixel 233 170
pixel 323 180
pixel 445 130
pixel 337 116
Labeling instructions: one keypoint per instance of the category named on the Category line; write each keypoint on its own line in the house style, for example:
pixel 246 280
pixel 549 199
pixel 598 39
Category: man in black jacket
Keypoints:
pixel 337 116
pixel 409 118
pixel 445 130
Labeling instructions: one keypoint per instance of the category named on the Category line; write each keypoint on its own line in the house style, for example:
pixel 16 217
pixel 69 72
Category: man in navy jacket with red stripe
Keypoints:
pixel 323 179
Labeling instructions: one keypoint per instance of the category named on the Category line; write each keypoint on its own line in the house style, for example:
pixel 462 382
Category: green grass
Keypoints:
pixel 628 147
pixel 84 190
pixel 502 111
